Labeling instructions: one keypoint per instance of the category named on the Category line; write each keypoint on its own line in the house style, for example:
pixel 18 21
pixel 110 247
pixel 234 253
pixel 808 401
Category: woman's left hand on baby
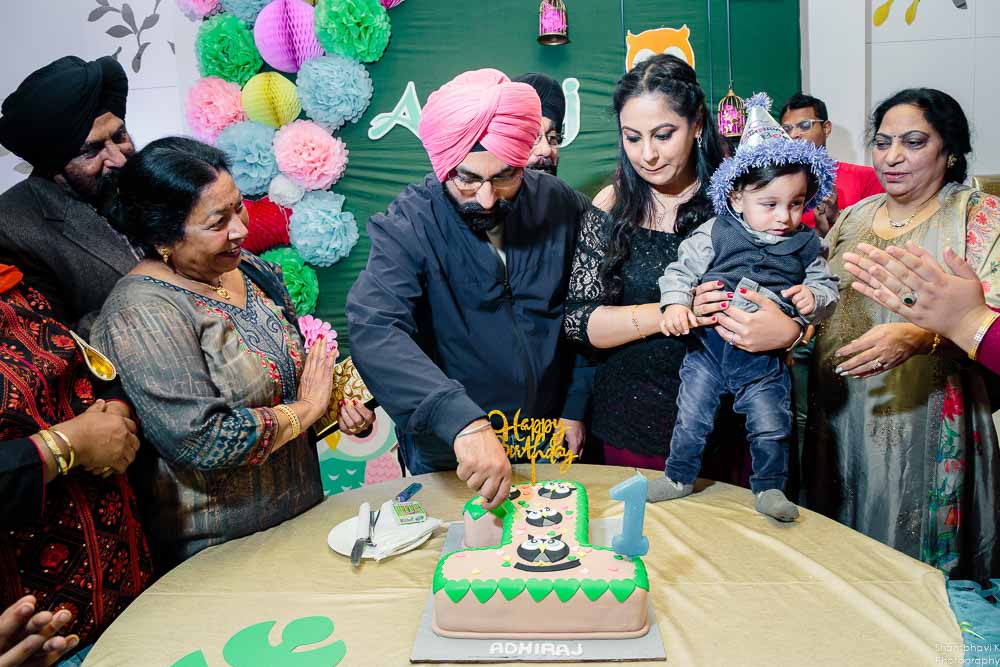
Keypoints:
pixel 883 347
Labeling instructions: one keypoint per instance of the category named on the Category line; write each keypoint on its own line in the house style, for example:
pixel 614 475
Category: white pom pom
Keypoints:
pixel 284 192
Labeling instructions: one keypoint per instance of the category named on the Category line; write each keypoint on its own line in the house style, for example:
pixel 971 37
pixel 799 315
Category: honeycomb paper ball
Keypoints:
pixel 285 36
pixel 268 225
pixel 271 99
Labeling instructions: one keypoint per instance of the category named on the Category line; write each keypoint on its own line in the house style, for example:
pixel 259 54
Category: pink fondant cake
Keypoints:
pixel 528 571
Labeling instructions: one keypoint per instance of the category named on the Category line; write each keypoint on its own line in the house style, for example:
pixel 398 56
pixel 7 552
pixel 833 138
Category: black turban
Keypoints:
pixel 550 93
pixel 47 119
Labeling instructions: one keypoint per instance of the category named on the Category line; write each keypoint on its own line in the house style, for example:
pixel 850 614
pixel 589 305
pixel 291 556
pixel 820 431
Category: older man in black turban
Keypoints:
pixel 545 154
pixel 68 121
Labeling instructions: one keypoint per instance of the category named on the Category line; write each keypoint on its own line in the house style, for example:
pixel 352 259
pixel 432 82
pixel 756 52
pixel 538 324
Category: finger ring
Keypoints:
pixel 732 337
pixel 877 365
pixel 106 469
pixel 910 299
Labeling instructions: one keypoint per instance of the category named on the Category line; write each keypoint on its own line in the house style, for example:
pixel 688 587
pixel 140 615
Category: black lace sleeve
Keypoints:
pixel 586 291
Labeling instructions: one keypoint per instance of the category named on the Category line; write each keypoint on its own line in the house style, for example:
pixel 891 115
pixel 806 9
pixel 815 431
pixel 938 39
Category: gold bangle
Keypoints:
pixel 69 446
pixel 934 345
pixel 293 419
pixel 50 442
pixel 981 333
pixel 635 320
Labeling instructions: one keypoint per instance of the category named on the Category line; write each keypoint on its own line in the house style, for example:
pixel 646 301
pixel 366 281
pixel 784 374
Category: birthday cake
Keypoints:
pixel 528 571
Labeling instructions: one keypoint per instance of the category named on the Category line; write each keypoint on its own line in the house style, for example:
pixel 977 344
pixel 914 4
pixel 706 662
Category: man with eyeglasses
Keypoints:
pixel 545 153
pixel 805 117
pixel 67 120
pixel 459 310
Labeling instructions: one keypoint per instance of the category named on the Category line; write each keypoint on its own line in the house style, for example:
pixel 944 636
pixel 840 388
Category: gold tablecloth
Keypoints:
pixel 730 587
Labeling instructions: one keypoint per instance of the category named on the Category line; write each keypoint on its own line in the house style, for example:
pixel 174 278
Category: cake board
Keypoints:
pixel 429 647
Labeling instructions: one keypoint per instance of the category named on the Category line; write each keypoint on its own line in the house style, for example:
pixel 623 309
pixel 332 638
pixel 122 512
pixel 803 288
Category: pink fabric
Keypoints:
pixel 482 106
pixel 989 350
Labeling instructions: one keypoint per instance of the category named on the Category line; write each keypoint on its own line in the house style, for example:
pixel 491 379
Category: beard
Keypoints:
pixel 100 192
pixel 477 218
pixel 545 164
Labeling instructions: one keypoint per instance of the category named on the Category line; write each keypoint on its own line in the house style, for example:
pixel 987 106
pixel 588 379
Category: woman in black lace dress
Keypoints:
pixel 669 147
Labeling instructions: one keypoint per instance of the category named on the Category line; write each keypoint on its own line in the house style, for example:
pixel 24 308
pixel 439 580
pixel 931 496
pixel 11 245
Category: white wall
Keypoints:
pixel 852 65
pixel 37 32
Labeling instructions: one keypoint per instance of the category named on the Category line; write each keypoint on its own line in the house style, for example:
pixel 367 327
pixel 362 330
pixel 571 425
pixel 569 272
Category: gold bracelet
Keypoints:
pixel 981 333
pixel 50 442
pixel 635 320
pixel 934 345
pixel 69 446
pixel 293 419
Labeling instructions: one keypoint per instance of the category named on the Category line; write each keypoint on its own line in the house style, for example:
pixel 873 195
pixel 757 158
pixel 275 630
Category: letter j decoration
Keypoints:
pixel 631 541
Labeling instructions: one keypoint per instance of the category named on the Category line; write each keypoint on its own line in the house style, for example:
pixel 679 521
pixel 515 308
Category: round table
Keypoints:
pixel 729 586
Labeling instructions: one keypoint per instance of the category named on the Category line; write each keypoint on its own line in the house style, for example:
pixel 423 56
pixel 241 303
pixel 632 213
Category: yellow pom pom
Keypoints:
pixel 271 99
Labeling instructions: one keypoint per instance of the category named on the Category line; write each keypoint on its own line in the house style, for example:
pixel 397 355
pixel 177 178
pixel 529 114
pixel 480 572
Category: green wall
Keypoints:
pixel 433 40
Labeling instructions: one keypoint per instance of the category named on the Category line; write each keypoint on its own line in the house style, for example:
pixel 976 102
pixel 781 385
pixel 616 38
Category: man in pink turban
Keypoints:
pixel 459 311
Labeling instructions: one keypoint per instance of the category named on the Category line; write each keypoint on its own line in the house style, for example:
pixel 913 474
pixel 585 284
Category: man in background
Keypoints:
pixel 545 153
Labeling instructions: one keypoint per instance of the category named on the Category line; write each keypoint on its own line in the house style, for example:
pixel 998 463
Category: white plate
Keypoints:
pixel 341 539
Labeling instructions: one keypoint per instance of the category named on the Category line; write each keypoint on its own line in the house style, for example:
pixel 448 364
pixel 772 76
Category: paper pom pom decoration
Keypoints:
pixel 283 191
pixel 334 90
pixel 358 29
pixel 308 155
pixel 248 146
pixel 284 35
pixel 212 106
pixel 197 9
pixel 244 10
pixel 271 99
pixel 312 328
pixel 268 225
pixel 300 280
pixel 321 231
pixel 225 49
pixel 389 4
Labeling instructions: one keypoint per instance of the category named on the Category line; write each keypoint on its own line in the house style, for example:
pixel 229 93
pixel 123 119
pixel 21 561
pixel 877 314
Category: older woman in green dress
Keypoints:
pixel 205 340
pixel 902 445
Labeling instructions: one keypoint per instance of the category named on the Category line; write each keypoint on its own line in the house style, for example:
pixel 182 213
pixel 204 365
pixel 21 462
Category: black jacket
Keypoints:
pixel 442 332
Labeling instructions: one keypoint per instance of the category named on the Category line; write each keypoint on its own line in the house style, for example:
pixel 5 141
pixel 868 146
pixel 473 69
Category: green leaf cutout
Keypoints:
pixel 641 576
pixel 566 588
pixel 456 589
pixel 594 588
pixel 484 589
pixel 539 588
pixel 622 588
pixel 511 588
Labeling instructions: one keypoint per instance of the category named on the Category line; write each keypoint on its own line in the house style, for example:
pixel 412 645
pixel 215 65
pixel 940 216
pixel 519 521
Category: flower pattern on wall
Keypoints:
pixel 129 27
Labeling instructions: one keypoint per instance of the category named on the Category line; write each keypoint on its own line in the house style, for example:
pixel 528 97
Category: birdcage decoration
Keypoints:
pixel 552 23
pixel 732 115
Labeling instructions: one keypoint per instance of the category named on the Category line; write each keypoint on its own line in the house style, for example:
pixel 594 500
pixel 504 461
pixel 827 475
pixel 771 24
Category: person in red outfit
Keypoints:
pixel 805 117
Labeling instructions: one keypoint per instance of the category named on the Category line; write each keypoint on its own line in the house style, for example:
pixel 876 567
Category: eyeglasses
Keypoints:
pixel 802 125
pixel 554 139
pixel 468 185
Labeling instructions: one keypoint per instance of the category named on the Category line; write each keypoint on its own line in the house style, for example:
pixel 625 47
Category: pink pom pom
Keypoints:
pixel 198 9
pixel 312 328
pixel 389 4
pixel 213 105
pixel 284 34
pixel 308 155
pixel 268 225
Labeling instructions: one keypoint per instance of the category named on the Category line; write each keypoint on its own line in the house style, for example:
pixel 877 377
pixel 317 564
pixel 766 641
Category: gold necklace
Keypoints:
pixel 218 289
pixel 899 224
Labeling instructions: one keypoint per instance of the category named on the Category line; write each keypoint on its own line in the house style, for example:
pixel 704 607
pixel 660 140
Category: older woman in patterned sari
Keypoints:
pixel 205 342
pixel 902 445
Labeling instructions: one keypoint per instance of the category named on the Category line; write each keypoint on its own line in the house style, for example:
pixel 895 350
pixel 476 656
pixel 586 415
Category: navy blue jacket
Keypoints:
pixel 442 333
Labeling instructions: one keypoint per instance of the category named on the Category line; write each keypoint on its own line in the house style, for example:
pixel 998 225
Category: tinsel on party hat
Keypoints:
pixel 765 143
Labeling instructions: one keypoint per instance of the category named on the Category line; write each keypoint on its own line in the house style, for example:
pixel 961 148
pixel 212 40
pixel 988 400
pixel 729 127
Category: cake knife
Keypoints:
pixel 363 531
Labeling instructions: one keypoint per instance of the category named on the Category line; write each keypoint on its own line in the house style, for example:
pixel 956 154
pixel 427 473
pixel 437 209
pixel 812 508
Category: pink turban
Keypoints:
pixel 482 106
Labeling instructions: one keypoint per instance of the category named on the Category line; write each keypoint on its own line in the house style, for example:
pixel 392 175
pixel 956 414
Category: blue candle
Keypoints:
pixel 631 541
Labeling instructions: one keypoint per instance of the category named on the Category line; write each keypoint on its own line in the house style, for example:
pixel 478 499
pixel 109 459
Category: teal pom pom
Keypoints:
pixel 248 146
pixel 321 230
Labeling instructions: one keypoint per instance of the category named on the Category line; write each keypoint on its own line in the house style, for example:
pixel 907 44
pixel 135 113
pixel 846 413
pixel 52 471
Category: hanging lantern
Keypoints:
pixel 552 24
pixel 732 115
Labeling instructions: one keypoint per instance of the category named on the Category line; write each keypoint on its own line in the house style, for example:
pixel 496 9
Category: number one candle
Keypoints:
pixel 631 541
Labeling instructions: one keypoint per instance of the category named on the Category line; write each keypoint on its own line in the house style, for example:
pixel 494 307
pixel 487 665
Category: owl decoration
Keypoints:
pixel 543 517
pixel 543 549
pixel 555 490
pixel 648 43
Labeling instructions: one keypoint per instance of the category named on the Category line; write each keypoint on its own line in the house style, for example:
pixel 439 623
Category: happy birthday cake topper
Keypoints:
pixel 534 439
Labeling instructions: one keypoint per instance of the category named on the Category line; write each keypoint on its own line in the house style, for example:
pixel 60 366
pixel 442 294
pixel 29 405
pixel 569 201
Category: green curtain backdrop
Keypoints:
pixel 433 40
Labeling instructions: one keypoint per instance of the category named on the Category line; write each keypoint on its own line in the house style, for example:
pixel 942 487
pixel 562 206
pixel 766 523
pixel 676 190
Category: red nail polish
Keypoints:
pixel 725 305
pixel 729 295
pixel 715 319
pixel 355 402
pixel 721 283
pixel 743 290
